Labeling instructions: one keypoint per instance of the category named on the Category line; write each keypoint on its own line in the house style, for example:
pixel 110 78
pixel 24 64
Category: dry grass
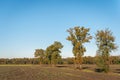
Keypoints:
pixel 36 72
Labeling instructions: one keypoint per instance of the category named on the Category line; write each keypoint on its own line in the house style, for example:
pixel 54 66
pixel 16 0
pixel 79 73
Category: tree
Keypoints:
pixel 105 43
pixel 39 53
pixel 78 36
pixel 53 52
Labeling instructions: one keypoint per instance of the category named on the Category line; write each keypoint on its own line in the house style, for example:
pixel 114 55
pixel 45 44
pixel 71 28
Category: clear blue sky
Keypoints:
pixel 26 25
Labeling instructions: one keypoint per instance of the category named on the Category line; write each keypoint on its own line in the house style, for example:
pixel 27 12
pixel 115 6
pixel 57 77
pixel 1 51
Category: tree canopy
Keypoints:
pixel 53 52
pixel 40 53
pixel 106 43
pixel 78 36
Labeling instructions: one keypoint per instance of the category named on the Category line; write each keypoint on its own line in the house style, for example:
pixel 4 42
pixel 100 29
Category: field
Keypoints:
pixel 62 72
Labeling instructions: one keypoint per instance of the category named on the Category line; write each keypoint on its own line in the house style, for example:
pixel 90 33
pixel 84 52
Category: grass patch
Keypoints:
pixel 86 70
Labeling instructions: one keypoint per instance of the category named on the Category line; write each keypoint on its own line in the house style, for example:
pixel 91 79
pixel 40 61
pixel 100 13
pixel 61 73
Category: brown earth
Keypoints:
pixel 66 72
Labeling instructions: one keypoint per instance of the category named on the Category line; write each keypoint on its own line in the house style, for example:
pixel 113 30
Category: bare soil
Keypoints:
pixel 61 72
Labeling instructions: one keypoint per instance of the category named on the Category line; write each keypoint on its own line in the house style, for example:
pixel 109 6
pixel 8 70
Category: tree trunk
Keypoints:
pixel 80 66
pixel 75 63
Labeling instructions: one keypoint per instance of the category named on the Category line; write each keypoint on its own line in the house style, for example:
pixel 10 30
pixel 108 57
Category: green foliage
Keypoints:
pixel 114 59
pixel 105 43
pixel 40 53
pixel 78 36
pixel 70 60
pixel 52 52
pixel 88 60
pixel 19 61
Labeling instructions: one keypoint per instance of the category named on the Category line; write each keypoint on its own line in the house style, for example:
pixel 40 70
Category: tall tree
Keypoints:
pixel 106 44
pixel 53 52
pixel 40 53
pixel 78 36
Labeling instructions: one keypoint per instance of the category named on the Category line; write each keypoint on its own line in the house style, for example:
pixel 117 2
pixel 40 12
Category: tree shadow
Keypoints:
pixel 61 66
pixel 85 67
pixel 99 70
pixel 117 71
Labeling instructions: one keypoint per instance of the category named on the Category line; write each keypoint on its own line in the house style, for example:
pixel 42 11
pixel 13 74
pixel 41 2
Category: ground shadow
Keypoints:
pixel 117 71
pixel 61 66
pixel 99 70
pixel 85 67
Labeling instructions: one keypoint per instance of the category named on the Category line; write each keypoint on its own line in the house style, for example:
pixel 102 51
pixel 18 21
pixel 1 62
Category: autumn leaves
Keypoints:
pixel 104 40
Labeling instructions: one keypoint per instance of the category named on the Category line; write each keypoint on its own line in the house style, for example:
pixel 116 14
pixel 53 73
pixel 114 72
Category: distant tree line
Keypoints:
pixel 19 61
pixel 70 60
pixel 92 60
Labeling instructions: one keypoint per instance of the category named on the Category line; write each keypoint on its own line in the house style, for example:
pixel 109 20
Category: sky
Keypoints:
pixel 26 25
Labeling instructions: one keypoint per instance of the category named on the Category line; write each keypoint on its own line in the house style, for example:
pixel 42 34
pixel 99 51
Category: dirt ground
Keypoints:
pixel 36 72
